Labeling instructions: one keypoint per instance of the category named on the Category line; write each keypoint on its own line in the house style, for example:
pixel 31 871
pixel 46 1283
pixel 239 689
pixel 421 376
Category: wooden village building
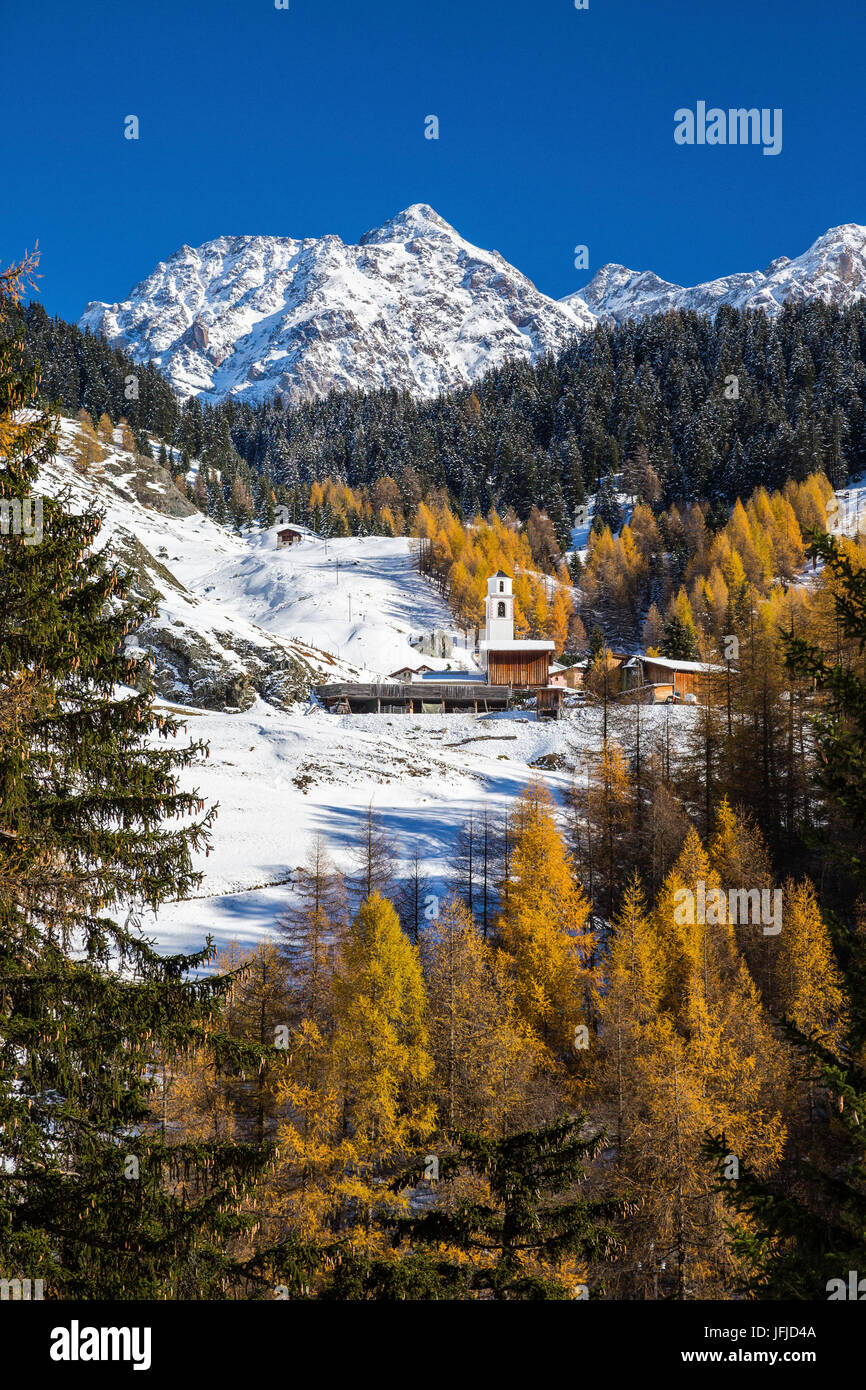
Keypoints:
pixel 566 677
pixel 549 702
pixel 662 677
pixel 509 665
pixel 683 676
pixel 289 535
pixel 409 673
pixel 418 697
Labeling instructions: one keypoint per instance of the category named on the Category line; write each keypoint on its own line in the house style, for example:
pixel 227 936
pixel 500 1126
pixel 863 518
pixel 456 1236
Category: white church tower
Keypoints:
pixel 506 659
pixel 499 610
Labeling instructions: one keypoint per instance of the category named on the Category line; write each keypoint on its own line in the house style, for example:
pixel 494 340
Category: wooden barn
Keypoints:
pixel 409 673
pixel 548 702
pixel 420 697
pixel 288 535
pixel 517 666
pixel 568 677
pixel 682 677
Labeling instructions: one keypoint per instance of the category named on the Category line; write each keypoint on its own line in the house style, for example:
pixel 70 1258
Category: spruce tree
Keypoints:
pixel 678 641
pixel 530 1221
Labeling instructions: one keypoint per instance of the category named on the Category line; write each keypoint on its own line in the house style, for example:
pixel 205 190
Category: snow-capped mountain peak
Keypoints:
pixel 418 220
pixel 833 270
pixel 413 306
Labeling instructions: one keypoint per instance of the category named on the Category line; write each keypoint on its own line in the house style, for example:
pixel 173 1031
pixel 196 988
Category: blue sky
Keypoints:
pixel 556 129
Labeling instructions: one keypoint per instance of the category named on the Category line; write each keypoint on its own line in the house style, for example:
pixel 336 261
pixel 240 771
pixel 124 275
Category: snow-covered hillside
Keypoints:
pixel 281 777
pixel 413 306
pixel 832 270
pixel 204 652
pixel 238 616
pixel 360 598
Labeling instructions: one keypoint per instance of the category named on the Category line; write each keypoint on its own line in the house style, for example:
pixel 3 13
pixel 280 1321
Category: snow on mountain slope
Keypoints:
pixel 359 597
pixel 833 270
pixel 413 306
pixel 204 653
pixel 846 510
pixel 238 616
pixel 282 776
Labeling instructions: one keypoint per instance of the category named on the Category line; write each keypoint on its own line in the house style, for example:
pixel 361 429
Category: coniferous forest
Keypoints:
pixel 698 409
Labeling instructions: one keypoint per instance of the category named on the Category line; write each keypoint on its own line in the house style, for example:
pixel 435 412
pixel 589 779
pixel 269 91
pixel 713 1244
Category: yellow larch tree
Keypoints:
pixel 484 1052
pixel 731 1049
pixel 381 1050
pixel 740 858
pixel 809 982
pixel 105 429
pixel 685 1051
pixel 355 1093
pixel 256 1008
pixel 545 924
pixel 682 936
pixel 539 615
pixel 561 611
pixel 609 813
pixel 628 1000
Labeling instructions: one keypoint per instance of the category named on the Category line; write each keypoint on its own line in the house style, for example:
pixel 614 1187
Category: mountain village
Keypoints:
pixel 328 677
